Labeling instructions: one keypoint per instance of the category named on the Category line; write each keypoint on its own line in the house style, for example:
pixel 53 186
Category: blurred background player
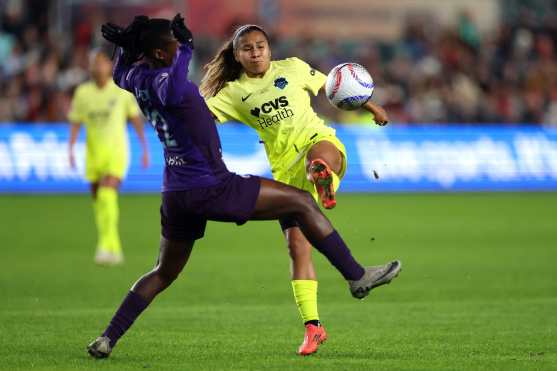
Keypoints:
pixel 242 84
pixel 103 108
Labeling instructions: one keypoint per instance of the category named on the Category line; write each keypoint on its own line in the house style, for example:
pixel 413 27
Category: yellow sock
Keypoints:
pixel 103 242
pixel 107 219
pixel 305 294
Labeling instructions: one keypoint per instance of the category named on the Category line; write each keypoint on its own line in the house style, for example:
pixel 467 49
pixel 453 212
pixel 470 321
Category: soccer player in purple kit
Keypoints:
pixel 197 186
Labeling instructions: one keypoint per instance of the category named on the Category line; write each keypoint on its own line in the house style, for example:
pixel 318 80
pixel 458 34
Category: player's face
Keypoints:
pixel 100 67
pixel 165 54
pixel 253 53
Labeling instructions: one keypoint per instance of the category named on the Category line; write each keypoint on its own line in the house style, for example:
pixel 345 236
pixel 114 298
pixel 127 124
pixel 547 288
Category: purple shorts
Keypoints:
pixel 184 214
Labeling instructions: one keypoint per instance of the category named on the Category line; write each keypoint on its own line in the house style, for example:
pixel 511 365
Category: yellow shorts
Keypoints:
pixel 99 166
pixel 292 167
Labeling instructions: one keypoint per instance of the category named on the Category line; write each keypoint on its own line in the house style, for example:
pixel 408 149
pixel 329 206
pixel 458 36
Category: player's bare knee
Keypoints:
pixel 308 203
pixel 168 275
pixel 300 199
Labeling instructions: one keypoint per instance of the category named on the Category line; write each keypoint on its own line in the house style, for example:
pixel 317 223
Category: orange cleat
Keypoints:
pixel 322 176
pixel 314 336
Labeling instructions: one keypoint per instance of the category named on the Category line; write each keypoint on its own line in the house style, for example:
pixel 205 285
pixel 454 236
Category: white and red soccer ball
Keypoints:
pixel 349 86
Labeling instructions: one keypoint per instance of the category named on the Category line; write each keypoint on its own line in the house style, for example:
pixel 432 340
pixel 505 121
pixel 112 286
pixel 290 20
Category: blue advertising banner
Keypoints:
pixel 34 158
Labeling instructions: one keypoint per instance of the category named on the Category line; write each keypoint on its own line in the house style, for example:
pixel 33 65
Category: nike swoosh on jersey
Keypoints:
pixel 246 97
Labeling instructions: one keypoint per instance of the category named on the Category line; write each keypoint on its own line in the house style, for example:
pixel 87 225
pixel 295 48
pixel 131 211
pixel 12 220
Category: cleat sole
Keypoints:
pixel 323 180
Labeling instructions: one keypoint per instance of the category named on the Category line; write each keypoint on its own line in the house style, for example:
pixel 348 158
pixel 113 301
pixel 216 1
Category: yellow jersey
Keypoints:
pixel 277 105
pixel 104 112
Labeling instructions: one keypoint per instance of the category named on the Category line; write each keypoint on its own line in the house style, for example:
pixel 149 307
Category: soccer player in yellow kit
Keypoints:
pixel 103 108
pixel 243 84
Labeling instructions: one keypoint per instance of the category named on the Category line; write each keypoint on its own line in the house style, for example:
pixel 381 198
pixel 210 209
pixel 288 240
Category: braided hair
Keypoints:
pixel 145 35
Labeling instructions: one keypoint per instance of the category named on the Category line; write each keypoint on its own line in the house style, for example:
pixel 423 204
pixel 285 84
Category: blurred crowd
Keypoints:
pixel 431 74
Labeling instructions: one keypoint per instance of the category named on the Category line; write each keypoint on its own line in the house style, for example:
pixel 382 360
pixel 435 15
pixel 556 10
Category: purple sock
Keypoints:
pixel 334 249
pixel 129 310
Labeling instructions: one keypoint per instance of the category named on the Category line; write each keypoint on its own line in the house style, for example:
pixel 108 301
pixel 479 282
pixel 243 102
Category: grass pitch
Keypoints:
pixel 478 288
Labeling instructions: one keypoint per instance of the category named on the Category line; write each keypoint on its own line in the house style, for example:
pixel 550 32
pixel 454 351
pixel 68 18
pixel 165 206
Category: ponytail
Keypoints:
pixel 224 67
pixel 221 69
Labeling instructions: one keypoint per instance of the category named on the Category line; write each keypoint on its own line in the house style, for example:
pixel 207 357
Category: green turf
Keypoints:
pixel 478 289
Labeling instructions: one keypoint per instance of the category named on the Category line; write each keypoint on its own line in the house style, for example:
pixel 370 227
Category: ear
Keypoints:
pixel 159 54
pixel 235 56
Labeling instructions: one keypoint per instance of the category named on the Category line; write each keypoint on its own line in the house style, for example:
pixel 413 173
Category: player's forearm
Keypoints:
pixel 120 70
pixel 380 115
pixel 139 129
pixel 138 126
pixel 177 82
pixel 181 63
pixel 74 132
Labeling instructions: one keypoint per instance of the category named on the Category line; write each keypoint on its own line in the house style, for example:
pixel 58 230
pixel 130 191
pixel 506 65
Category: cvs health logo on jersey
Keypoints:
pixel 272 112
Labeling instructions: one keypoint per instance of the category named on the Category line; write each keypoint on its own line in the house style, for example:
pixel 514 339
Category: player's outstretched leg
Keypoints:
pixel 277 200
pixel 323 164
pixel 172 259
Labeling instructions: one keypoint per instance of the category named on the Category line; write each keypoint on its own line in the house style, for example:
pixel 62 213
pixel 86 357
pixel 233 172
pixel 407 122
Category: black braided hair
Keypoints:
pixel 132 48
pixel 153 35
pixel 144 35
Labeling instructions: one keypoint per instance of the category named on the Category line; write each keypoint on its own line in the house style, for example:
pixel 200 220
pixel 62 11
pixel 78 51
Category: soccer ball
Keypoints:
pixel 349 86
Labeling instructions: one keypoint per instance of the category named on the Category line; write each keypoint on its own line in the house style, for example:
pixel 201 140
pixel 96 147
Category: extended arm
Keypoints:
pixel 74 132
pixel 173 84
pixel 120 71
pixel 129 51
pixel 380 115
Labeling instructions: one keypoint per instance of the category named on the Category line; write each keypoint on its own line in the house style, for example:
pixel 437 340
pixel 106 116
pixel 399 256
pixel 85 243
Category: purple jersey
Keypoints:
pixel 184 124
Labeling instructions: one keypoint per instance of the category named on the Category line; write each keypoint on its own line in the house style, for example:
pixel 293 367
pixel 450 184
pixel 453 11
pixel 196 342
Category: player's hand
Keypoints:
pixel 180 31
pixel 381 117
pixel 128 38
pixel 145 160
pixel 118 36
pixel 113 33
